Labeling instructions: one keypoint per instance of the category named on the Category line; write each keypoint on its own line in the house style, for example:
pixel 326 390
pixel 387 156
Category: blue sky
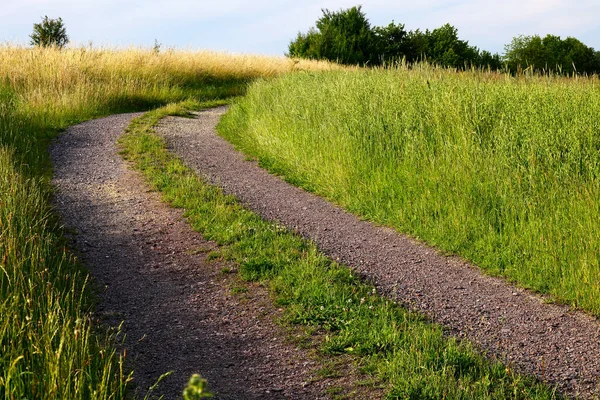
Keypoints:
pixel 266 27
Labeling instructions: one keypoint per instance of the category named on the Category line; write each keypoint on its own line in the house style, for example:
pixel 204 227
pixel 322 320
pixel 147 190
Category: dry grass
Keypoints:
pixel 39 71
pixel 81 83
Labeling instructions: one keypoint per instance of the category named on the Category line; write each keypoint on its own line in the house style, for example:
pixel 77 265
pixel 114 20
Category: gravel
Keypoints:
pixel 558 345
pixel 177 307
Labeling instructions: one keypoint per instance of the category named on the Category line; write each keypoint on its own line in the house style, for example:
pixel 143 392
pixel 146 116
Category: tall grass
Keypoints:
pixel 50 345
pixel 503 171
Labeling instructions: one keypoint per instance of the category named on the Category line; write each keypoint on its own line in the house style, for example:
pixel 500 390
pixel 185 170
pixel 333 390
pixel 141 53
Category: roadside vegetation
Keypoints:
pixel 50 345
pixel 503 171
pixel 400 351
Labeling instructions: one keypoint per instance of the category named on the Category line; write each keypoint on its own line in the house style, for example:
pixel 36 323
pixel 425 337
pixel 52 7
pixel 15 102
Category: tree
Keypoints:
pixel 579 58
pixel 489 60
pixel 417 48
pixel 448 50
pixel 391 42
pixel 306 45
pixel 551 54
pixel 524 52
pixel 344 36
pixel 442 46
pixel 50 32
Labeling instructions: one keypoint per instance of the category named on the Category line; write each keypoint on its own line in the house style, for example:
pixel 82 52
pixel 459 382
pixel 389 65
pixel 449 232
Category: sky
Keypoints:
pixel 267 27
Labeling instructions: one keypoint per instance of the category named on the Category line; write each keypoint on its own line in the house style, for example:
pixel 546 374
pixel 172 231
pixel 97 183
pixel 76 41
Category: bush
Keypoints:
pixel 344 36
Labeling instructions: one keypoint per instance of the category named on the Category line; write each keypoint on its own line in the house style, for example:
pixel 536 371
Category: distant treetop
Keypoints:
pixel 347 37
pixel 551 53
pixel 50 32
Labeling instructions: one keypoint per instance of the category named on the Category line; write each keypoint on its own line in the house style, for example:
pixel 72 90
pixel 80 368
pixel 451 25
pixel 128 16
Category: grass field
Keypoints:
pixel 398 350
pixel 503 171
pixel 50 345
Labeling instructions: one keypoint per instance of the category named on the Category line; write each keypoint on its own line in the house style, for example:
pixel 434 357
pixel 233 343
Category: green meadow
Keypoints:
pixel 501 170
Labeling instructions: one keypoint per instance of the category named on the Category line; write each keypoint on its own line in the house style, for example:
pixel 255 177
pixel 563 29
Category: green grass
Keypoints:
pixel 51 346
pixel 47 349
pixel 398 347
pixel 503 171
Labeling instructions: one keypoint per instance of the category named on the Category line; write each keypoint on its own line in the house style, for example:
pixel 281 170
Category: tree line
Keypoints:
pixel 347 37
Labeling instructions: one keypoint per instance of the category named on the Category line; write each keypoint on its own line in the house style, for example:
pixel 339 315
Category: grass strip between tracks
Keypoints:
pixel 408 355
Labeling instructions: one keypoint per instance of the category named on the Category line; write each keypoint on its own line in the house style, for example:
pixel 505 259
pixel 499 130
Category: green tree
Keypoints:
pixel 347 37
pixel 489 60
pixel 551 53
pixel 344 36
pixel 306 45
pixel 524 52
pixel 391 43
pixel 448 50
pixel 580 57
pixel 50 32
pixel 442 46
pixel 417 46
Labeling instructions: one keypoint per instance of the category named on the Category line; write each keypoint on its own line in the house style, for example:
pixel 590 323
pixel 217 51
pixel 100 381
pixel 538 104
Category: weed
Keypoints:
pixel 238 289
pixel 199 250
pixel 213 255
pixel 328 371
pixel 197 388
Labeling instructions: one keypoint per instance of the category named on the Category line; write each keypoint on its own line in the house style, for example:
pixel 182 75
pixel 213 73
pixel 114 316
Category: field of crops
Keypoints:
pixel 503 171
pixel 50 346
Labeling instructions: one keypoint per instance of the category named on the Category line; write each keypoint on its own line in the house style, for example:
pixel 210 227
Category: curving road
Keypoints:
pixel 154 271
pixel 177 309
pixel 554 343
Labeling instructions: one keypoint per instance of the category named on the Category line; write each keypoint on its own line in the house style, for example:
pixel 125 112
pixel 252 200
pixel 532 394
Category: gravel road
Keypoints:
pixel 177 307
pixel 556 344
